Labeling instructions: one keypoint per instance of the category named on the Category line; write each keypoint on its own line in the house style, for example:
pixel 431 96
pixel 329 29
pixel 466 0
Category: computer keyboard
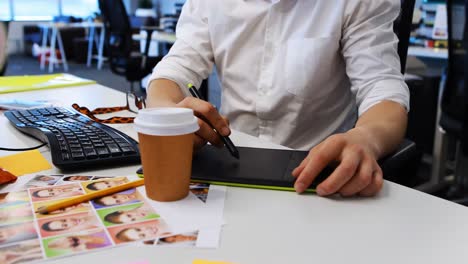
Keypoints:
pixel 75 141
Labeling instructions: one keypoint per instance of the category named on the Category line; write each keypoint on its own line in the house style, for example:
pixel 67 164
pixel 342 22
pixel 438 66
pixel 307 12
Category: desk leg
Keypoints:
pixel 45 32
pixel 101 47
pixel 62 51
pixel 90 45
pixel 52 57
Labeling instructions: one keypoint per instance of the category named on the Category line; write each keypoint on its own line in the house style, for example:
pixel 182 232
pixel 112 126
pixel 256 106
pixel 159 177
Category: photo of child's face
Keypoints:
pixel 179 239
pixel 121 198
pixel 138 231
pixel 76 178
pixel 117 199
pixel 62 224
pixel 49 192
pixel 77 208
pixel 104 184
pixel 15 214
pixel 55 192
pixel 68 223
pixel 131 215
pixel 17 232
pixel 68 244
pixel 7 199
pixel 127 214
pixel 43 180
pixel 26 251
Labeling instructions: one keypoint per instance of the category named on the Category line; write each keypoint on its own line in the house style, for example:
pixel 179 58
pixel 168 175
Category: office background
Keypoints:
pixel 424 65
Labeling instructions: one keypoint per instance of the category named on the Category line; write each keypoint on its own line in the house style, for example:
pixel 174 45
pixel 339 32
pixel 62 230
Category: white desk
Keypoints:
pixel 156 36
pixel 428 52
pixel 56 37
pixel 400 225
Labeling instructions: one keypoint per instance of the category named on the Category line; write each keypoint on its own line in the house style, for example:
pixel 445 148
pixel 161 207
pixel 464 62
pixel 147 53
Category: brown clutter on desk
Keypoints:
pixel 6 177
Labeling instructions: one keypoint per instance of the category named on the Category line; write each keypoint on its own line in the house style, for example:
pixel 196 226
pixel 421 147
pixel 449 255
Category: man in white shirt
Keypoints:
pixel 308 74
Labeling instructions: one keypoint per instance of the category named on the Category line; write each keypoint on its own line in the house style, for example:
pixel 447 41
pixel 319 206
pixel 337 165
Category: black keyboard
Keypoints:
pixel 75 141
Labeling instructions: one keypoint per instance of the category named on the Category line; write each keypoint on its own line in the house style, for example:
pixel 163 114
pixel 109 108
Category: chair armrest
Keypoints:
pixel 402 163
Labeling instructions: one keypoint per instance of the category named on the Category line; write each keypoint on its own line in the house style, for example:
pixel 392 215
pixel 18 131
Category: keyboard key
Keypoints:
pixel 127 150
pixel 78 149
pixel 90 153
pixel 114 149
pixel 75 145
pixel 65 156
pixel 122 145
pixel 103 152
pixel 78 155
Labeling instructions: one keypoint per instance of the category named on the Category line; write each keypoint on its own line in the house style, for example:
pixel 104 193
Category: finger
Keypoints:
pixel 207 112
pixel 349 164
pixel 226 120
pixel 375 186
pixel 298 170
pixel 208 134
pixel 198 142
pixel 361 179
pixel 317 160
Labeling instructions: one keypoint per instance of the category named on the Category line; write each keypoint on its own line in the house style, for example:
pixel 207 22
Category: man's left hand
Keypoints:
pixel 357 172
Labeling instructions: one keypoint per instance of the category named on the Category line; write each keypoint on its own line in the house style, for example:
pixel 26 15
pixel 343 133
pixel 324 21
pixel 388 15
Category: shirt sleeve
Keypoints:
pixel 190 60
pixel 369 47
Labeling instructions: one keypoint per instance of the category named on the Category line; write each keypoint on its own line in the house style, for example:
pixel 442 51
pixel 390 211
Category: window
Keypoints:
pixel 35 9
pixel 46 9
pixel 5 10
pixel 79 8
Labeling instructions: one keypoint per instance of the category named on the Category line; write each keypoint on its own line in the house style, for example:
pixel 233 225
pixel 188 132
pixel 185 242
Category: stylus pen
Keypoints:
pixel 226 140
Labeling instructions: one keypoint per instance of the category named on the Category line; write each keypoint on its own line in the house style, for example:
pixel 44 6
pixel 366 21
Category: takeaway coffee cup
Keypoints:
pixel 166 147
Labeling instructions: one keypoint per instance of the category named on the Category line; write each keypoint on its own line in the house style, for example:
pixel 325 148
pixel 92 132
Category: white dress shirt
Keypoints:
pixel 292 71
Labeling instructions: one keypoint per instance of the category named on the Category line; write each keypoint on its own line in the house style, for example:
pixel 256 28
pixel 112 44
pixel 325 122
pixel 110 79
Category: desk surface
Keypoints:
pixel 85 24
pixel 434 53
pixel 400 225
pixel 156 36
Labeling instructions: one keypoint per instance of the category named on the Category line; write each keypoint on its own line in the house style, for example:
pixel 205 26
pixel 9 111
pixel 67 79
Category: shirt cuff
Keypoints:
pixel 169 73
pixel 390 90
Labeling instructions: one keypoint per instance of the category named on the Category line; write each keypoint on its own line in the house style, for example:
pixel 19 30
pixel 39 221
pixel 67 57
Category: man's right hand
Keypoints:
pixel 207 114
pixel 166 93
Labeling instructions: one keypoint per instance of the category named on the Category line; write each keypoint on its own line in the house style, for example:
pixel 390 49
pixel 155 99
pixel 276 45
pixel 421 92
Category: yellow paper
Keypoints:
pixel 200 261
pixel 25 162
pixel 13 84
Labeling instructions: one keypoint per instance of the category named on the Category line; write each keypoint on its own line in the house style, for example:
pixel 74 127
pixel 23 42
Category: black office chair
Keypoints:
pixel 454 103
pixel 119 44
pixel 401 166
pixel 402 28
pixel 3 47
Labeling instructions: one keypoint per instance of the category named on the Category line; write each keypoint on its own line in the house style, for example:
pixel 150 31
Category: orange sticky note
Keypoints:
pixel 25 162
pixel 200 261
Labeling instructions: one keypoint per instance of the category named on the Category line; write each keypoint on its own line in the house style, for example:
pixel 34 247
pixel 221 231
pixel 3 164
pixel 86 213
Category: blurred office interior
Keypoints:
pixel 427 55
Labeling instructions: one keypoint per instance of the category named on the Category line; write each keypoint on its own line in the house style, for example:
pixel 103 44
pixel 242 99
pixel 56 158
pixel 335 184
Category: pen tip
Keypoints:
pixel 189 85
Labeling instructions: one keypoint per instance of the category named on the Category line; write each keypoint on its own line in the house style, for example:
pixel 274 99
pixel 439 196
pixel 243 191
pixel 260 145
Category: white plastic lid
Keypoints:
pixel 166 121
